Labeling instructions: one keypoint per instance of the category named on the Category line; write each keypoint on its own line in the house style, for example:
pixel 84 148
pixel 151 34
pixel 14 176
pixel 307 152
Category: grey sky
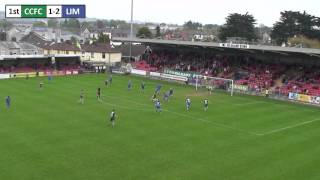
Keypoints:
pixel 180 11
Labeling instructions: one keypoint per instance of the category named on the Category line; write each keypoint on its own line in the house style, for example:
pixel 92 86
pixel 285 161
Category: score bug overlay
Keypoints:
pixel 45 11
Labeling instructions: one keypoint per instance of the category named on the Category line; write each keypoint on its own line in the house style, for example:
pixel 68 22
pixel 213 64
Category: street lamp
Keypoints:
pixel 131 26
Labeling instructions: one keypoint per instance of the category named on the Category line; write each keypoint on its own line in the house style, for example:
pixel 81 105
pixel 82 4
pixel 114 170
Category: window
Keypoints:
pixel 58 51
pixel 103 55
pixel 92 55
pixel 74 52
pixel 67 52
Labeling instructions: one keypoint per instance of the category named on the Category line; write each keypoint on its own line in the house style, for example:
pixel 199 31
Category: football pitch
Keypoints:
pixel 47 135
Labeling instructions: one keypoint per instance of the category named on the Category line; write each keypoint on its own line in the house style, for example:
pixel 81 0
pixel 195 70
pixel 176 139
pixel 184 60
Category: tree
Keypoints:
pixel 103 38
pixel 6 25
pixel 100 24
pixel 39 24
pixel 53 23
pixel 238 25
pixel 294 23
pixel 72 25
pixel 3 36
pixel 158 34
pixel 73 39
pixel 85 25
pixel 192 25
pixel 144 32
pixel 302 41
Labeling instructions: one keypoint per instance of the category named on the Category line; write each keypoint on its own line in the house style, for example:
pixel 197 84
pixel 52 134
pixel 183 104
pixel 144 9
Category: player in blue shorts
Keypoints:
pixel 166 96
pixel 206 104
pixel 158 106
pixel 188 103
pixel 158 88
pixel 49 78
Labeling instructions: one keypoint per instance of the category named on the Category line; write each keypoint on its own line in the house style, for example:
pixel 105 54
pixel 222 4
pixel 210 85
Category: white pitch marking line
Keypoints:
pixel 249 103
pixel 288 127
pixel 190 117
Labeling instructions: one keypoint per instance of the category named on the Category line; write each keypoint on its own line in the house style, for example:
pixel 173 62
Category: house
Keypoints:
pixel 17 48
pixel 96 52
pixel 94 33
pixel 36 40
pixel 136 51
pixel 17 32
pixel 111 32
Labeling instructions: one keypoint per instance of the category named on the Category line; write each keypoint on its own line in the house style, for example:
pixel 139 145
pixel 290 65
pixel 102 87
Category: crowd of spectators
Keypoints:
pixel 258 75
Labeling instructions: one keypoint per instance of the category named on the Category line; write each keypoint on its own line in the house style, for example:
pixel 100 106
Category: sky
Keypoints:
pixel 266 12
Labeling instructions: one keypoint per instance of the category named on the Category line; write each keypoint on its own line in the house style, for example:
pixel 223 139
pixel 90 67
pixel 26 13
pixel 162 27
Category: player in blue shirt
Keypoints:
pixel 206 104
pixel 166 96
pixel 188 104
pixel 129 85
pixel 158 106
pixel 142 86
pixel 8 101
pixel 49 78
pixel 158 88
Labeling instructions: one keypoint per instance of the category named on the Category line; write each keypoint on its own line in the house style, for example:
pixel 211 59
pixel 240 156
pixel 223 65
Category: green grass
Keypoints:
pixel 47 135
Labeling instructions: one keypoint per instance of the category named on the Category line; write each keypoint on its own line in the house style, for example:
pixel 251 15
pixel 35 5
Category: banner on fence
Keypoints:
pixel 304 98
pixel 138 72
pixel 240 87
pixel 293 96
pixel 180 73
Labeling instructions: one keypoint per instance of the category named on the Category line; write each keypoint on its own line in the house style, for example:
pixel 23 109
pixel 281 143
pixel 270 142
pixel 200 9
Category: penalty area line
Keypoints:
pixel 288 127
pixel 183 115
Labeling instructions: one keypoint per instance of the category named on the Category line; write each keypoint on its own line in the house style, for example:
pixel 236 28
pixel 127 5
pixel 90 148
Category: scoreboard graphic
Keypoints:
pixel 45 11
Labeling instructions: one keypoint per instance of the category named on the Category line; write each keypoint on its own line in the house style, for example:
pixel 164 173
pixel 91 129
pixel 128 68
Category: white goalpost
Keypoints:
pixel 211 83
